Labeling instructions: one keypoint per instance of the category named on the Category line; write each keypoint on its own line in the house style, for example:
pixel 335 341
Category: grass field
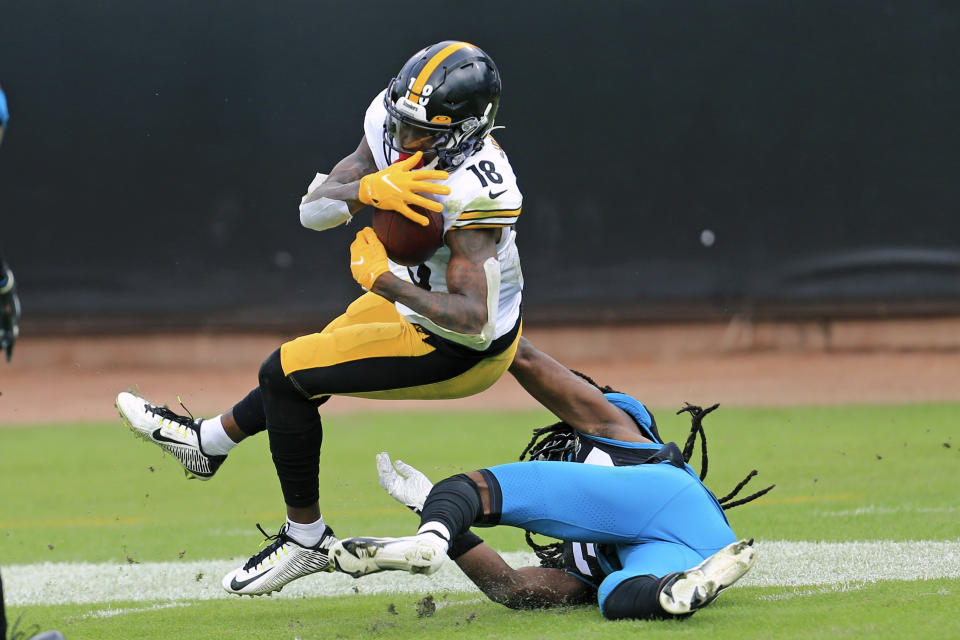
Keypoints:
pixel 103 537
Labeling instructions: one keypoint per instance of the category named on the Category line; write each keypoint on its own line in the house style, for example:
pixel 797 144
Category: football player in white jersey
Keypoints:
pixel 448 328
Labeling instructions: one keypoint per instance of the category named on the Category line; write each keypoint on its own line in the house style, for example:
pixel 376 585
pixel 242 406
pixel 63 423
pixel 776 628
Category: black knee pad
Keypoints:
pixel 635 598
pixel 271 374
pixel 286 409
pixel 455 502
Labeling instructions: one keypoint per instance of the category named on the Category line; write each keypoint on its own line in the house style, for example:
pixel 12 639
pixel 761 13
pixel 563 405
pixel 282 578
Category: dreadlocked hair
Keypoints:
pixel 696 419
pixel 554 442
pixel 557 441
pixel 550 555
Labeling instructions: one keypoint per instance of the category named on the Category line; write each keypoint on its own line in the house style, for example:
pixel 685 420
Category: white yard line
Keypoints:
pixel 785 563
pixel 781 563
pixel 112 613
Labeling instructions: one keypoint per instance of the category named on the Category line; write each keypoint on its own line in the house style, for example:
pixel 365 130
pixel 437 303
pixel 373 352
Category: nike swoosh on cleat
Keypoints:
pixel 159 437
pixel 494 196
pixel 236 585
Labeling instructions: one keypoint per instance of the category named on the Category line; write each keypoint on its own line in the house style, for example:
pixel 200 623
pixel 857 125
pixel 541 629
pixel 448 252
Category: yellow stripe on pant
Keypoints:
pixel 371 351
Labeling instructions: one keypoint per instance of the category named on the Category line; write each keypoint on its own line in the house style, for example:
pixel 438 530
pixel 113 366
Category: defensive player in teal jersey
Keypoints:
pixel 642 536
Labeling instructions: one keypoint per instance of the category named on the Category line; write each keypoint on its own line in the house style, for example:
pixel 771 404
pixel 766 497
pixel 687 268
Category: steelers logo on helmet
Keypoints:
pixel 443 102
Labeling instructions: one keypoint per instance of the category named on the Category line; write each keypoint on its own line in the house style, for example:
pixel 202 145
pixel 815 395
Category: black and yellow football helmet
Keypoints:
pixel 444 100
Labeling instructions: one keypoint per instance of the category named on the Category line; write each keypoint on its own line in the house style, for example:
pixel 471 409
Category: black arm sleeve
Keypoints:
pixel 463 543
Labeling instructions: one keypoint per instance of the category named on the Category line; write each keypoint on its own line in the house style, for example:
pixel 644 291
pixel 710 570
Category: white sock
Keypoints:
pixel 306 534
pixel 437 530
pixel 213 439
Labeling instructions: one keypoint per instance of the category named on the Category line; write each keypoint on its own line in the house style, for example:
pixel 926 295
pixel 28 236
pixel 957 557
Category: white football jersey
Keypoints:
pixel 483 195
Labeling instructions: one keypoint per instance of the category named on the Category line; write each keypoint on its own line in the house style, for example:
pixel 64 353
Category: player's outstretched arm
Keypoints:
pixel 473 263
pixel 523 588
pixel 569 397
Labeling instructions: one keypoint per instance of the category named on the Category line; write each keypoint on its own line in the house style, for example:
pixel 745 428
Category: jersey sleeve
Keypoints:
pixel 485 194
pixel 482 218
pixel 373 130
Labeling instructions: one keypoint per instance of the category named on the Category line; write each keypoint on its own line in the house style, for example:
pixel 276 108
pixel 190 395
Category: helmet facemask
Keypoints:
pixel 406 131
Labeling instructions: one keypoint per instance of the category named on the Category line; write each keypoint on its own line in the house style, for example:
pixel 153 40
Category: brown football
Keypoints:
pixel 407 242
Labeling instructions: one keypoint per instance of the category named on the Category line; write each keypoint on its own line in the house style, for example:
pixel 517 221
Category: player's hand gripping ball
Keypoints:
pixel 407 242
pixel 399 186
pixel 368 258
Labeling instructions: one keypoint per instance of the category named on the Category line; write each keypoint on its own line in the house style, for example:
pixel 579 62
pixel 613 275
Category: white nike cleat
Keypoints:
pixel 696 588
pixel 422 553
pixel 177 435
pixel 279 563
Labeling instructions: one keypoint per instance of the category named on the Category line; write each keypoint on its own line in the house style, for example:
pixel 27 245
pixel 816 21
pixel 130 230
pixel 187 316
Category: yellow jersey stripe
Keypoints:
pixel 491 213
pixel 485 226
pixel 431 66
pixel 459 224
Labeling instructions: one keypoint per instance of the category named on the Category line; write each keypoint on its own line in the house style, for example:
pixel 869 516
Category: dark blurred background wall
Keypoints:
pixel 678 159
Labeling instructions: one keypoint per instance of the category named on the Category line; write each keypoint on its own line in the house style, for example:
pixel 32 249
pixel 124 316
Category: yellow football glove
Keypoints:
pixel 396 188
pixel 368 258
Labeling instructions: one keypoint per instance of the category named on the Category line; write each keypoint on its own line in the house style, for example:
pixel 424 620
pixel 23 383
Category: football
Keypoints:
pixel 407 242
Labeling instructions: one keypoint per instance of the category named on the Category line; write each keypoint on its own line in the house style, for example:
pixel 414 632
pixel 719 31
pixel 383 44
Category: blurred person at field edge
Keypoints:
pixel 9 303
pixel 9 310
pixel 9 329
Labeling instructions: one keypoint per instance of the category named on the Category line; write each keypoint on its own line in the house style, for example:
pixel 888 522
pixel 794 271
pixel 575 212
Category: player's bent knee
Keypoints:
pixel 287 409
pixel 635 598
pixel 461 488
pixel 274 382
pixel 455 502
pixel 271 374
